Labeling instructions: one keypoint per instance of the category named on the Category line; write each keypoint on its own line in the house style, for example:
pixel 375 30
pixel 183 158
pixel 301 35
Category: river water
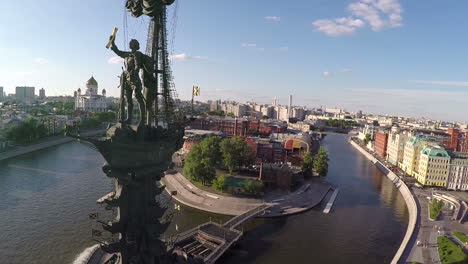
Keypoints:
pixel 48 195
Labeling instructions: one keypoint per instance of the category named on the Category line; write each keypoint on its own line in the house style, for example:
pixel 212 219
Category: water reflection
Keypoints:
pixel 47 196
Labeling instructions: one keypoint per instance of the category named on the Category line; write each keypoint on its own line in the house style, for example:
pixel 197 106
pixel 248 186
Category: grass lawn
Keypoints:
pixel 460 235
pixel 449 252
pixel 209 188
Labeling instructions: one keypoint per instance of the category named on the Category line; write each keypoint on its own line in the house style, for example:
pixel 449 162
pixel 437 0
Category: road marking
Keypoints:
pixel 212 196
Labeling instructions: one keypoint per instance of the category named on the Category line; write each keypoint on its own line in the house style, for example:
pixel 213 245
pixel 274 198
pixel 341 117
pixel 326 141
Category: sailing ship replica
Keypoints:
pixel 138 154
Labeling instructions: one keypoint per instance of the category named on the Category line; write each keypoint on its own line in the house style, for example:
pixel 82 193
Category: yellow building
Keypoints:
pixel 412 153
pixel 434 166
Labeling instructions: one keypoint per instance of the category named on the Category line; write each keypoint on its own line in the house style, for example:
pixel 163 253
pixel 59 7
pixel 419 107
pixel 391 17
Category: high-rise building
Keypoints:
pixel 290 107
pixel 1 93
pixel 42 93
pixel 25 94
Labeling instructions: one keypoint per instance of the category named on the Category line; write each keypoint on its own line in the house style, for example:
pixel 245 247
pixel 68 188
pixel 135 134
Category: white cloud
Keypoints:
pixel 115 60
pixel 346 70
pixel 327 74
pixel 41 60
pixel 273 18
pixel 379 14
pixel 248 45
pixel 338 26
pixel 446 83
pixel 185 57
pixel 284 48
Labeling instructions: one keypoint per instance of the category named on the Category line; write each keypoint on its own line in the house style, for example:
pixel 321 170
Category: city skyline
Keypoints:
pixel 384 57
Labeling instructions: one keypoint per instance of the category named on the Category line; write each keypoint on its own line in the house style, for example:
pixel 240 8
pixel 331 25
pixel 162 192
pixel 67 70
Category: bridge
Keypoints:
pixel 209 241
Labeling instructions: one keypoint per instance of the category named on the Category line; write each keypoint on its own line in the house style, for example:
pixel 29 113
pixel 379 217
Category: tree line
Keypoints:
pixel 213 153
pixel 319 163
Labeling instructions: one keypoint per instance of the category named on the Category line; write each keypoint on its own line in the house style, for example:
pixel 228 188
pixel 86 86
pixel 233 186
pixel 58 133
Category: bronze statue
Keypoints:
pixel 130 80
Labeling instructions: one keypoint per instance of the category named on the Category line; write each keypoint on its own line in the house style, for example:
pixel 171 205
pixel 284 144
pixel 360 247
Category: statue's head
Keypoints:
pixel 134 44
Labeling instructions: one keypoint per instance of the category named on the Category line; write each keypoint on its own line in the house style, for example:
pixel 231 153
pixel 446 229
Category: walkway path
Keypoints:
pixel 301 200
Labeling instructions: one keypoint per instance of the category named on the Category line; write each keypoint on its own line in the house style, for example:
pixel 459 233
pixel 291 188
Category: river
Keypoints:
pixel 48 195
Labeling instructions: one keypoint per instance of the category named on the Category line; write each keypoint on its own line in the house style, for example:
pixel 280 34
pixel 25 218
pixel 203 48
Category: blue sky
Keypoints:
pixel 382 56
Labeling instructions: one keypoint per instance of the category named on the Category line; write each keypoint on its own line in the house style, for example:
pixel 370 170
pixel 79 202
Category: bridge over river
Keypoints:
pixel 210 240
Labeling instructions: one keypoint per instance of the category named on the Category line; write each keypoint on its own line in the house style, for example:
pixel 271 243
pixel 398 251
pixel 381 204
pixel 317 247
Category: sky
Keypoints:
pixel 399 57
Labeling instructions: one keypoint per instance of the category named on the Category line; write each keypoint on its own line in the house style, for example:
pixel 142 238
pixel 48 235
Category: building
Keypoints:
pixel 380 145
pixel 267 150
pixel 396 145
pixel 412 153
pixel 453 143
pixel 1 93
pixel 91 101
pixel 434 166
pixel 25 94
pixel 458 172
pixel 42 94
pixel 368 129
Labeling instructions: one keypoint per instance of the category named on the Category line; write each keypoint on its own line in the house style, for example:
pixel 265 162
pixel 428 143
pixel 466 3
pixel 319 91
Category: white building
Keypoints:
pixel 396 145
pixel 91 101
pixel 458 174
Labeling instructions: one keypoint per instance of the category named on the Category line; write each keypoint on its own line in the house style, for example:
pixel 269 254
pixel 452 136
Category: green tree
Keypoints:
pixel 321 162
pixel 367 138
pixel 197 167
pixel 219 183
pixel 265 117
pixel 230 115
pixel 253 187
pixel 236 153
pixel 200 164
pixel 307 165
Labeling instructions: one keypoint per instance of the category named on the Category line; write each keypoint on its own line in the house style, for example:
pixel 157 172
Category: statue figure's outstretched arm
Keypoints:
pixel 122 54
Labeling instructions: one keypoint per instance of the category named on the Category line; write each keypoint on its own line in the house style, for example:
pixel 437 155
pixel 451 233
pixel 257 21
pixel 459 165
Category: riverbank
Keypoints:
pixel 305 198
pixel 408 197
pixel 43 144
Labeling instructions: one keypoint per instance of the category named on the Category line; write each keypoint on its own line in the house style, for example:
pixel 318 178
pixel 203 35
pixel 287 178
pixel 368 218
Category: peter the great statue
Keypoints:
pixel 138 154
pixel 138 72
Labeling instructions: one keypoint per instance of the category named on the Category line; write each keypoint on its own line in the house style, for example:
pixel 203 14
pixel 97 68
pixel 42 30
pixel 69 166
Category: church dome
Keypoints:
pixel 92 81
pixel 103 91
pixel 79 90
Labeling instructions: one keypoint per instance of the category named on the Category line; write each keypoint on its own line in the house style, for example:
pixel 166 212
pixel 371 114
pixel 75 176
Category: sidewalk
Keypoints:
pixel 307 197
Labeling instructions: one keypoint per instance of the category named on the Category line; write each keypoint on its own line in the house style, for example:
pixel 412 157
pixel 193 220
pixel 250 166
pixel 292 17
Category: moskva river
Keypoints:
pixel 47 196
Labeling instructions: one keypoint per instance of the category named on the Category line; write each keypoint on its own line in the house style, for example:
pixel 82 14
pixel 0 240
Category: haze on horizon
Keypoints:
pixel 396 57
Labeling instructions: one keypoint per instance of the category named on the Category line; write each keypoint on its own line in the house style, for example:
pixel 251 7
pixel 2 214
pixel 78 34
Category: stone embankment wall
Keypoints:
pixel 407 195
pixel 35 147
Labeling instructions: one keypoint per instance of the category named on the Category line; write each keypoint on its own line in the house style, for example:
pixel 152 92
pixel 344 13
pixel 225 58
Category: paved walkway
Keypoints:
pixel 308 196
pixel 428 231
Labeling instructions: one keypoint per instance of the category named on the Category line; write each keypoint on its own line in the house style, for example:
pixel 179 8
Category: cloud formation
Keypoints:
pixel 338 26
pixel 41 60
pixel 115 60
pixel 378 14
pixel 248 45
pixel 327 74
pixel 445 83
pixel 284 48
pixel 185 57
pixel 273 18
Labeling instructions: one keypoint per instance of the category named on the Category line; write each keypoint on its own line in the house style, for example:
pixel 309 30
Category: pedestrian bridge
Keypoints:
pixel 209 241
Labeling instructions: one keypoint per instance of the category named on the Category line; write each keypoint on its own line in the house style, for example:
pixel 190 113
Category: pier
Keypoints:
pixel 331 201
pixel 210 241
